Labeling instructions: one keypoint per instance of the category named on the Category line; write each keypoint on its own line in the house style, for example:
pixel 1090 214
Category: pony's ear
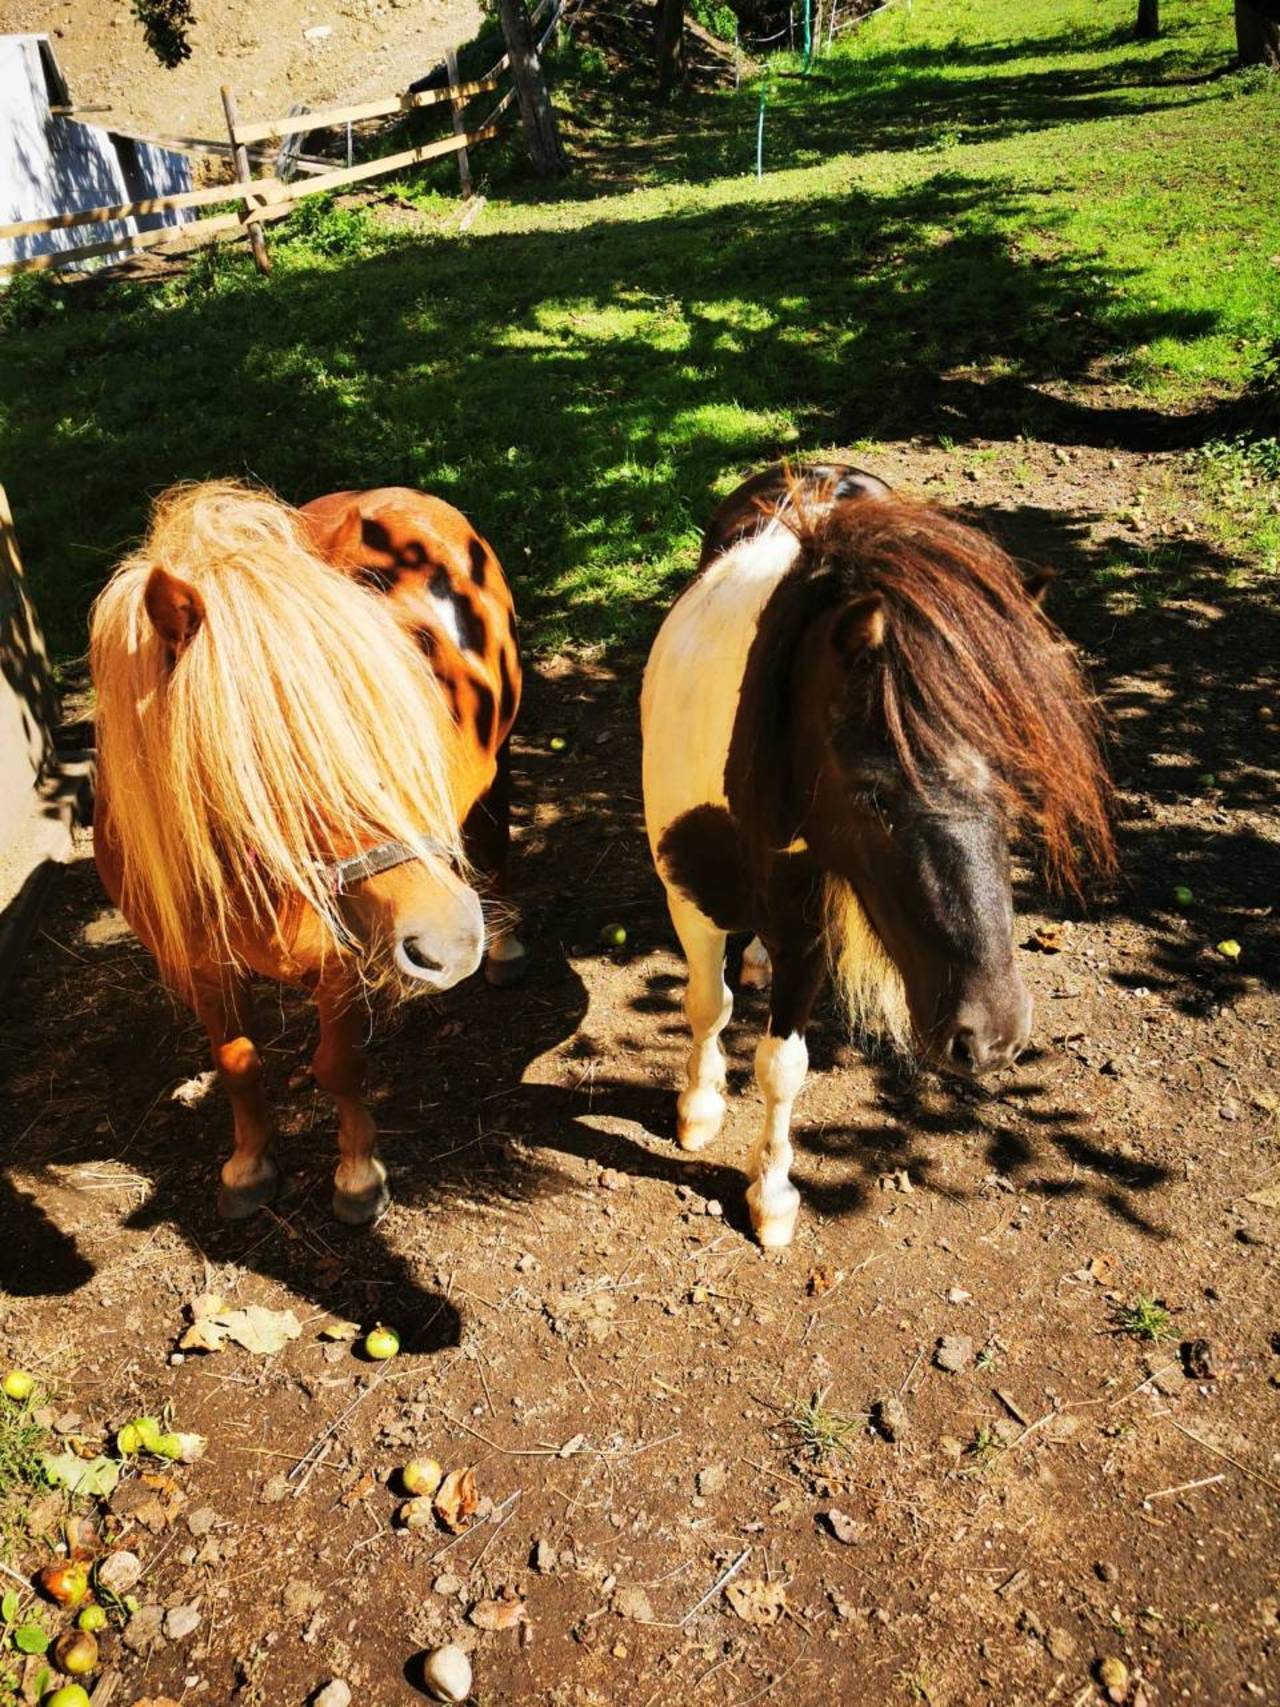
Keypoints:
pixel 1036 585
pixel 860 627
pixel 175 608
pixel 341 543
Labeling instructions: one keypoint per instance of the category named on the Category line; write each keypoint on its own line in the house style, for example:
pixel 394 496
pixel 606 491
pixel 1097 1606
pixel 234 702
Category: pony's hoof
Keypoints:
pixel 503 972
pixel 239 1202
pixel 363 1208
pixel 773 1219
pixel 699 1117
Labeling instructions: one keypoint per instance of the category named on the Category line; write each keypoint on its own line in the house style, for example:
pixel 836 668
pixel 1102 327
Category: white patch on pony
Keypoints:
pixel 867 982
pixel 447 610
pixel 781 1065
pixel 693 679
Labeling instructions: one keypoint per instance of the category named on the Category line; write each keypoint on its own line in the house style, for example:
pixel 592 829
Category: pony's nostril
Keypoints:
pixel 413 951
pixel 962 1052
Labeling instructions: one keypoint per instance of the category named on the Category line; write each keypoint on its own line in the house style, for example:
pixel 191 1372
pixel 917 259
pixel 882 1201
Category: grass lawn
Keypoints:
pixel 990 215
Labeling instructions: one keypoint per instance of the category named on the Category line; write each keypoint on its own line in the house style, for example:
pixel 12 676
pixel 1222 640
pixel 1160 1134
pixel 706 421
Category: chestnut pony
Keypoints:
pixel 846 717
pixel 302 735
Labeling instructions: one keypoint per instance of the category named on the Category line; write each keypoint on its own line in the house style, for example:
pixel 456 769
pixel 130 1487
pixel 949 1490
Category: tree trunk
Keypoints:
pixel 1148 25
pixel 537 115
pixel 1258 33
pixel 668 41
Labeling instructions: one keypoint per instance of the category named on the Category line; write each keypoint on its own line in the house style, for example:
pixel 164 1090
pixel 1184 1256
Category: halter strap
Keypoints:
pixel 344 874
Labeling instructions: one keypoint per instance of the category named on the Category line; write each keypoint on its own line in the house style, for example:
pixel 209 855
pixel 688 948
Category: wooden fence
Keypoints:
pixel 270 198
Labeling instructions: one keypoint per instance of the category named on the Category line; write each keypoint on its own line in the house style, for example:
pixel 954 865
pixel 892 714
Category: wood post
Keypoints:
pixel 240 155
pixel 537 116
pixel 1147 27
pixel 456 106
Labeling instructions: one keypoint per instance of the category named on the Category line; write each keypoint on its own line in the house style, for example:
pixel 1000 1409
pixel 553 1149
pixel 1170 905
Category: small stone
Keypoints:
pixel 202 1520
pixel 611 1180
pixel 144 1629
pixel 527 1264
pixel 1229 1109
pixel 180 1621
pixel 713 1207
pixel 1106 1572
pixel 118 1572
pixel 447 1673
pixel 951 1448
pixel 712 1479
pixel 842 1526
pixel 954 1353
pixel 545 1557
pixel 889 1417
pixel 1060 1643
pixel 1113 1675
pixel 334 1694
pixel 1198 1360
pixel 958 1295
pixel 447 1584
pixel 278 1488
pixel 633 1603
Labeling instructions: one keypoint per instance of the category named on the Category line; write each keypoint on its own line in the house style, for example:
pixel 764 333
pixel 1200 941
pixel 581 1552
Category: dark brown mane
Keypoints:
pixel 969 662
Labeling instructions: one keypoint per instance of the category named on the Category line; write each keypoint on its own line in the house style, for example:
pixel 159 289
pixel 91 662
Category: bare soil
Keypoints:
pixel 374 47
pixel 587 1322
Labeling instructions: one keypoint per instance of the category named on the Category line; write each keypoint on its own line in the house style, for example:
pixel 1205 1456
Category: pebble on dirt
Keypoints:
pixel 334 1694
pixel 446 1672
pixel 889 1417
pixel 180 1621
pixel 954 1353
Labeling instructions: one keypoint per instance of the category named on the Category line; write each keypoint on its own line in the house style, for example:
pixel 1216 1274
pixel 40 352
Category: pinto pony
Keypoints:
pixel 302 733
pixel 846 717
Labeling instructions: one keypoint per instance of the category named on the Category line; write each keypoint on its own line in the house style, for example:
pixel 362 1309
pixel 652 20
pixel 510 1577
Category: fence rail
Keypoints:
pixel 270 198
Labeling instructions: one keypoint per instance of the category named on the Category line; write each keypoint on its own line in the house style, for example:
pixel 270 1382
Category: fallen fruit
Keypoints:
pixel 66 1584
pixel 381 1343
pixel 180 1448
pixel 1207 779
pixel 417 1513
pixel 70 1695
pixel 75 1652
pixel 1230 947
pixel 422 1475
pixel 456 1500
pixel 93 1618
pixel 1183 897
pixel 613 936
pixel 17 1384
pixel 557 743
pixel 1113 1675
pixel 447 1673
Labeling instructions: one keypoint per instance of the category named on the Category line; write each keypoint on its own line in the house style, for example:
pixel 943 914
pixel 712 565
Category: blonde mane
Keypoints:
pixel 302 723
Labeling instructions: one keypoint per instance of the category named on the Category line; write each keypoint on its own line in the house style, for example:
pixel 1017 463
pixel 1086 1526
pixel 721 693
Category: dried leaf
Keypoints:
pixel 91 1476
pixel 258 1330
pixel 456 1498
pixel 498 1614
pixel 337 1330
pixel 756 1601
pixel 822 1277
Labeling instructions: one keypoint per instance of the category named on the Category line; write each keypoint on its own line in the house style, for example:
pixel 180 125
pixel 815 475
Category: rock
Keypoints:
pixel 447 1584
pixel 118 1572
pixel 180 1621
pixel 958 1295
pixel 301 1599
pixel 842 1526
pixel 1198 1360
pixel 1060 1643
pixel 954 1352
pixel 318 32
pixel 334 1694
pixel 1106 1572
pixel 545 1557
pixel 202 1520
pixel 889 1417
pixel 611 1180
pixel 712 1479
pixel 633 1603
pixel 446 1672
pixel 951 1448
pixel 144 1630
pixel 278 1488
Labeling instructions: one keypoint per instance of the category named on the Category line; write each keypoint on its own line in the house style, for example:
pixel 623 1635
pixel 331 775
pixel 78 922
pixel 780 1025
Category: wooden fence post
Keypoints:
pixel 541 133
pixel 240 155
pixel 456 106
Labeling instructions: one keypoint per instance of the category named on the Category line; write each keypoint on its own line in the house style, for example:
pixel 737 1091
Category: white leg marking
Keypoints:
pixel 781 1065
pixel 708 1006
pixel 757 973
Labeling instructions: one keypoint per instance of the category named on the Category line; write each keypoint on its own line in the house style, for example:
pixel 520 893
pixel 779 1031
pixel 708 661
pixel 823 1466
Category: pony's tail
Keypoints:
pixel 867 984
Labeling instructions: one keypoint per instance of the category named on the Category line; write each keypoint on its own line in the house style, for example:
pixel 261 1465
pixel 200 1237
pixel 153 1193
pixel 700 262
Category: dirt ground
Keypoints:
pixel 373 47
pixel 587 1322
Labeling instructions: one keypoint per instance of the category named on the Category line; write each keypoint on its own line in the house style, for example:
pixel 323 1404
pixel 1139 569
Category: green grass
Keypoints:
pixel 1144 1319
pixel 824 1434
pixel 989 208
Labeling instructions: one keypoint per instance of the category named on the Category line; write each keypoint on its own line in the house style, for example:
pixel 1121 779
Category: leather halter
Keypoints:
pixel 343 874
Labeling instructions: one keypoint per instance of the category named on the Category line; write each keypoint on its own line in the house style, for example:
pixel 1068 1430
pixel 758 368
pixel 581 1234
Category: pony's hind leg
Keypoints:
pixel 249 1176
pixel 487 835
pixel 782 1060
pixel 708 1006
pixel 360 1192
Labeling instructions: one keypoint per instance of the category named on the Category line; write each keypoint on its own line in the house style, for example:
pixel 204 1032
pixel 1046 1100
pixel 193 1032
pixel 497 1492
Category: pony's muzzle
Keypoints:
pixel 440 952
pixel 983 1037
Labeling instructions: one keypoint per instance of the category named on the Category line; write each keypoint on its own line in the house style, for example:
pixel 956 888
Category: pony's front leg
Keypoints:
pixel 782 1060
pixel 708 1006
pixel 487 837
pixel 249 1176
pixel 360 1192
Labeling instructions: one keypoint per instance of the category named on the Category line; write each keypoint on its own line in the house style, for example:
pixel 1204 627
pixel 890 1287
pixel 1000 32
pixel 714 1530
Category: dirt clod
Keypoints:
pixel 889 1417
pixel 954 1353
